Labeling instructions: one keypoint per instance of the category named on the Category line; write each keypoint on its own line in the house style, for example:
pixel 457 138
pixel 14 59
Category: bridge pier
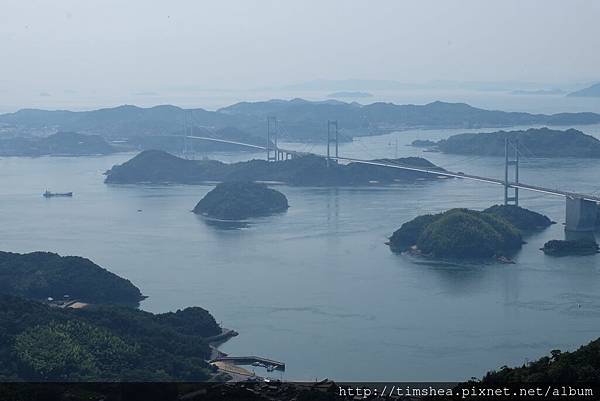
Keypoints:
pixel 581 215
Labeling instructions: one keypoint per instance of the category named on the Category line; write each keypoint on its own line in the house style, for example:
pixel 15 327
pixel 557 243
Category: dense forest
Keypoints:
pixel 39 343
pixel 39 275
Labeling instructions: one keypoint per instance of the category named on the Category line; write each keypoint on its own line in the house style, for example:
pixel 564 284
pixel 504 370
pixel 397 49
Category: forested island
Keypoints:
pixel 534 142
pixel 59 144
pixel 39 275
pixel 310 170
pixel 468 234
pixel 240 200
pixel 579 247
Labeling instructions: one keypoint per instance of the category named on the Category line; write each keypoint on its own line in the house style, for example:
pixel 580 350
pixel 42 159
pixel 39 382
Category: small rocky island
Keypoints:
pixel 579 247
pixel 159 167
pixel 241 200
pixel 536 142
pixel 468 234
pixel 39 275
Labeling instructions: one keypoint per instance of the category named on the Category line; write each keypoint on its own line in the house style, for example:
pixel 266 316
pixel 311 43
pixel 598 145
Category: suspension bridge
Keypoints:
pixel 581 208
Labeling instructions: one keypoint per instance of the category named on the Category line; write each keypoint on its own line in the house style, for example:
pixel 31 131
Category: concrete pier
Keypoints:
pixel 581 215
pixel 248 360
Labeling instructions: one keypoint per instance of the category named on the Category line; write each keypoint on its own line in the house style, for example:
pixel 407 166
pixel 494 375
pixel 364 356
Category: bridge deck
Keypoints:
pixel 445 173
pixel 497 181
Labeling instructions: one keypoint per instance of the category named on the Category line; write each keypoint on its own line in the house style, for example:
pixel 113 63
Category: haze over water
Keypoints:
pixel 317 287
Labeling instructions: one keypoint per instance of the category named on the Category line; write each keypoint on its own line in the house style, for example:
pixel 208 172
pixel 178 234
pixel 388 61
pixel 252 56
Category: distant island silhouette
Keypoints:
pixel 591 91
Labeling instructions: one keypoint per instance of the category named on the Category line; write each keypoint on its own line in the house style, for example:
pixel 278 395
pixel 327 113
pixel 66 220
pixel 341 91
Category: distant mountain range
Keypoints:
pixel 299 120
pixel 592 91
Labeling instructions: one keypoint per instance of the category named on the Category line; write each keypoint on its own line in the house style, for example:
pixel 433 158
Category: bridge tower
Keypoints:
pixel 272 150
pixel 184 151
pixel 332 136
pixel 508 162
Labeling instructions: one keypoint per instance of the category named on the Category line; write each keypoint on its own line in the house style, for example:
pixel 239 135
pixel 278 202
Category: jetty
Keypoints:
pixel 251 360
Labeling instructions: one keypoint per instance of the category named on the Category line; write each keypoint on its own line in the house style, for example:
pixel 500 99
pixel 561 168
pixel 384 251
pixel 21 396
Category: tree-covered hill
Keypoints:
pixel 463 233
pixel 521 218
pixel 103 343
pixel 468 234
pixel 39 275
pixel 240 200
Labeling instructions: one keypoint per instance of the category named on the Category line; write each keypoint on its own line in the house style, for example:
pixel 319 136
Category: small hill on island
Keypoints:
pixel 39 275
pixel 154 166
pixel 59 144
pixel 466 234
pixel 240 200
pixel 579 247
pixel 535 142
pixel 521 218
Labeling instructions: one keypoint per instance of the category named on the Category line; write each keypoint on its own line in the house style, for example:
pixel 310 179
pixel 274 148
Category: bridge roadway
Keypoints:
pixel 446 173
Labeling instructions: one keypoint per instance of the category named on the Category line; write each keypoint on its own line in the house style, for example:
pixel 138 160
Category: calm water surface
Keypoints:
pixel 317 287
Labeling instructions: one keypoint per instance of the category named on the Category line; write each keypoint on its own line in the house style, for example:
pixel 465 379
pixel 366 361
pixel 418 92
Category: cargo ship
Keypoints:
pixel 49 194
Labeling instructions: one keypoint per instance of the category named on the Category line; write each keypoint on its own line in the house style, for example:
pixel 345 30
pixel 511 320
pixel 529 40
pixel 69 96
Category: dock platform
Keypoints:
pixel 249 360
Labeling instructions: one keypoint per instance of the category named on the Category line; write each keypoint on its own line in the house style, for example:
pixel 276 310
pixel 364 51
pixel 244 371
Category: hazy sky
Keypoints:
pixel 130 45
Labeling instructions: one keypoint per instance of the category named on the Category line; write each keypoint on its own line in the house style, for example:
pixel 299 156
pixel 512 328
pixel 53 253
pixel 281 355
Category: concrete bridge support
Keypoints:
pixel 581 215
